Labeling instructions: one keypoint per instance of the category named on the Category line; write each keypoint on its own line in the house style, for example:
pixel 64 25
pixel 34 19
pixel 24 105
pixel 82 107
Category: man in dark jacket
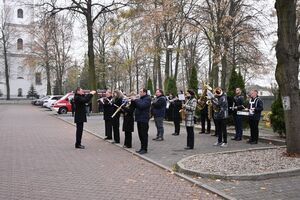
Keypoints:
pixel 255 108
pixel 108 110
pixel 220 106
pixel 80 99
pixel 238 104
pixel 158 111
pixel 142 116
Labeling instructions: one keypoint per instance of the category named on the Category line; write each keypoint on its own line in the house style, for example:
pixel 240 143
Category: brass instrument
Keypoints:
pixel 182 111
pixel 205 100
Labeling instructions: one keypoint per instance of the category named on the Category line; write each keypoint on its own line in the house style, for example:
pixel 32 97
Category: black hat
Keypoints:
pixel 192 93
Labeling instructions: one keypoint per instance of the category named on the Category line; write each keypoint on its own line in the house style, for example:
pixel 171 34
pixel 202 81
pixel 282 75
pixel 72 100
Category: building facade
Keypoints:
pixel 19 15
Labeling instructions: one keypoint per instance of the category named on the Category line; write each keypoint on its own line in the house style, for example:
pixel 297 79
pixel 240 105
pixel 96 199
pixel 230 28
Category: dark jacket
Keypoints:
pixel 177 106
pixel 220 105
pixel 117 102
pixel 238 101
pixel 108 109
pixel 80 111
pixel 142 112
pixel 257 104
pixel 159 107
pixel 128 123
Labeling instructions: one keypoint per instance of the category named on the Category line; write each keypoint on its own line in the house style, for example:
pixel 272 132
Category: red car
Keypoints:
pixel 63 105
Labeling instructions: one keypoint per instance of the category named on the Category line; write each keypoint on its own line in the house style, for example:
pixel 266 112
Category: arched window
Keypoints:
pixel 20 44
pixel 20 92
pixel 20 13
pixel 20 74
pixel 38 78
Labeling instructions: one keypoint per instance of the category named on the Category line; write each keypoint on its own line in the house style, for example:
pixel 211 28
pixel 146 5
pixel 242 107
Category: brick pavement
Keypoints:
pixel 39 161
pixel 170 151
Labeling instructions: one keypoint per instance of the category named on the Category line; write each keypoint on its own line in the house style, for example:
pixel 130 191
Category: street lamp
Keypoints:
pixel 78 80
pixel 170 49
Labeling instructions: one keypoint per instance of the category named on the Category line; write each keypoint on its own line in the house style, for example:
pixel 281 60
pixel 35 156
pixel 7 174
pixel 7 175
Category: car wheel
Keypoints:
pixel 63 110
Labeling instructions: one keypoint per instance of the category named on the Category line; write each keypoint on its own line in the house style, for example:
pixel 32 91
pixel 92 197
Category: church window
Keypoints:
pixel 20 13
pixel 20 44
pixel 38 78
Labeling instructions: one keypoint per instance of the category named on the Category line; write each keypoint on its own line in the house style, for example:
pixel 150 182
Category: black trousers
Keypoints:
pixel 79 130
pixel 190 136
pixel 116 129
pixel 253 130
pixel 128 139
pixel 238 122
pixel 204 117
pixel 108 129
pixel 221 130
pixel 177 125
pixel 143 134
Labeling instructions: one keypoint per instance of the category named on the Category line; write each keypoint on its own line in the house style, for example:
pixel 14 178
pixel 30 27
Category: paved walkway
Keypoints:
pixel 39 162
pixel 170 151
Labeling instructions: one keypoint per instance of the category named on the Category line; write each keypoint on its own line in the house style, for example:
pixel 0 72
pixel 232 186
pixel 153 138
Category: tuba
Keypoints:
pixel 204 100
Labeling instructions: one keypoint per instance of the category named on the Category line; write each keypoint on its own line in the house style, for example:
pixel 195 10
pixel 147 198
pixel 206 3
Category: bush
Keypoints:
pixel 277 117
pixel 32 92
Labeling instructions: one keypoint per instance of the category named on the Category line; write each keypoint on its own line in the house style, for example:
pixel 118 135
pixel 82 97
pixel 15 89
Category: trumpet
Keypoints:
pixel 105 100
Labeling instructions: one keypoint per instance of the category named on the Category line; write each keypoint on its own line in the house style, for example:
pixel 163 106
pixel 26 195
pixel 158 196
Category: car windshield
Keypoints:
pixel 64 97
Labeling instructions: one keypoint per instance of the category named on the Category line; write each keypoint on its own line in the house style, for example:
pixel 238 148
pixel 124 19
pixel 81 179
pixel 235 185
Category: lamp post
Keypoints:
pixel 78 80
pixel 170 49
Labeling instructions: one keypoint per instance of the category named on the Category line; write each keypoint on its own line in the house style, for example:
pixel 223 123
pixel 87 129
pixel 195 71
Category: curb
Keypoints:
pixel 253 177
pixel 198 183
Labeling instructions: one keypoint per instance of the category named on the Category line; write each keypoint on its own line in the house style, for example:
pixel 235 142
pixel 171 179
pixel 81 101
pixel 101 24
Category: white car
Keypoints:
pixel 49 102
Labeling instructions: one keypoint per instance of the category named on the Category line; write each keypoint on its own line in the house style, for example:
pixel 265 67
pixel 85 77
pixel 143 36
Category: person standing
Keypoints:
pixel 220 106
pixel 255 109
pixel 142 117
pixel 128 122
pixel 80 99
pixel 158 111
pixel 190 108
pixel 107 113
pixel 204 116
pixel 116 102
pixel 177 106
pixel 238 104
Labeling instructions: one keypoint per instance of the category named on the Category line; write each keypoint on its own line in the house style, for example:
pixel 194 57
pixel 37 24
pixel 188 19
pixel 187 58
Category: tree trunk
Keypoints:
pixel 287 70
pixel 91 55
pixel 6 71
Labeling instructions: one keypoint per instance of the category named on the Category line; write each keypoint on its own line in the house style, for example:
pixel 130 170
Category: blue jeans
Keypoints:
pixel 159 121
pixel 238 122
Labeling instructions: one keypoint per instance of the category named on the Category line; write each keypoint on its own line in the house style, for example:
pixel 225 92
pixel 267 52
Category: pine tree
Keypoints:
pixel 171 87
pixel 150 86
pixel 32 92
pixel 277 116
pixel 193 83
pixel 236 81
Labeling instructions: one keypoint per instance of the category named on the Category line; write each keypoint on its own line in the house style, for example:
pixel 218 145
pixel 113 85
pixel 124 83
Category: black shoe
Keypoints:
pixel 115 142
pixel 249 141
pixel 201 132
pixel 155 138
pixel 175 134
pixel 138 151
pixel 125 146
pixel 253 142
pixel 188 148
pixel 107 138
pixel 159 139
pixel 233 138
pixel 79 147
pixel 207 133
pixel 142 151
pixel 238 139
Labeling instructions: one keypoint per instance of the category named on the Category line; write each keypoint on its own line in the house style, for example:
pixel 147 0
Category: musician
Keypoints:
pixel 158 111
pixel 204 114
pixel 170 108
pixel 238 104
pixel 116 102
pixel 128 122
pixel 190 108
pixel 142 117
pixel 220 105
pixel 108 110
pixel 177 105
pixel 80 115
pixel 255 109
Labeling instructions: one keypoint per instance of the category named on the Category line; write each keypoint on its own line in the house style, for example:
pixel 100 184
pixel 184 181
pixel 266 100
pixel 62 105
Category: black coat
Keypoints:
pixel 117 102
pixel 142 112
pixel 177 106
pixel 108 109
pixel 128 123
pixel 258 106
pixel 80 111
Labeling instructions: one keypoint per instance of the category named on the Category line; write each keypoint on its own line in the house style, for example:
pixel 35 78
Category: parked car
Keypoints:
pixel 63 105
pixel 39 102
pixel 52 99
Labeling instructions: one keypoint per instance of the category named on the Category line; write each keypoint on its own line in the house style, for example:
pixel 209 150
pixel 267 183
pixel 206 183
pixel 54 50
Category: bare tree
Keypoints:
pixel 287 70
pixel 6 33
pixel 90 10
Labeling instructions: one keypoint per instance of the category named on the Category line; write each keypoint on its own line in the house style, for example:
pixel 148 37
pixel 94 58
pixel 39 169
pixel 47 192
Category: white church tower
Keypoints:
pixel 20 15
